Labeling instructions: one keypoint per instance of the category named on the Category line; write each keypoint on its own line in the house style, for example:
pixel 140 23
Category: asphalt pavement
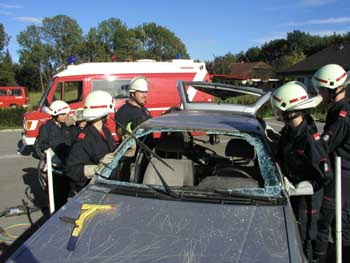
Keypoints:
pixel 18 175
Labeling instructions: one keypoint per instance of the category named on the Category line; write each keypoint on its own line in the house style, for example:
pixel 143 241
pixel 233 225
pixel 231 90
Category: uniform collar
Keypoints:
pixel 132 105
pixel 338 105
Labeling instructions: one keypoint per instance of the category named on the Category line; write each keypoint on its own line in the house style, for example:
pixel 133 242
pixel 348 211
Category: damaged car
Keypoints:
pixel 195 185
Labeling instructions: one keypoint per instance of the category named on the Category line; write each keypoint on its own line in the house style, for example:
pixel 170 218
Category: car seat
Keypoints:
pixel 171 148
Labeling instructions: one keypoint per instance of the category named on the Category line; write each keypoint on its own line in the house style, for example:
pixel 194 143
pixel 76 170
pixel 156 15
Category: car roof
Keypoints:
pixel 206 120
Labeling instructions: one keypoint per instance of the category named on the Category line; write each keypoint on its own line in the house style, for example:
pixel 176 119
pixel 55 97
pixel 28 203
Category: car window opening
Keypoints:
pixel 202 161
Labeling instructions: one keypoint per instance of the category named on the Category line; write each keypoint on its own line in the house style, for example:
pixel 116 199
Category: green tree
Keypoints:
pixel 157 42
pixel 287 61
pixel 64 37
pixel 274 49
pixel 4 38
pixel 7 73
pixel 34 54
pixel 253 54
pixel 111 38
pixel 222 64
pixel 93 49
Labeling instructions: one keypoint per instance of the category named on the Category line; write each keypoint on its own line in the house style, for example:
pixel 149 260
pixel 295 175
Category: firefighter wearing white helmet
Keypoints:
pixel 302 157
pixel 331 81
pixel 54 133
pixel 134 112
pixel 129 116
pixel 94 143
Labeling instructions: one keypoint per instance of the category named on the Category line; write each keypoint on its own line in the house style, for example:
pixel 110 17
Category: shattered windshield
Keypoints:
pixel 196 160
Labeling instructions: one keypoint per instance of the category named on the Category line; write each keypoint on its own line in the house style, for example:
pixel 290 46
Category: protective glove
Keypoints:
pixel 304 188
pixel 89 170
pixel 131 151
pixel 288 186
pixel 107 158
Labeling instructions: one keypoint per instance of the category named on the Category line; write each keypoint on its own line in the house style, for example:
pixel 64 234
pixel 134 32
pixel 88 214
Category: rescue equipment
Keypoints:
pixel 87 210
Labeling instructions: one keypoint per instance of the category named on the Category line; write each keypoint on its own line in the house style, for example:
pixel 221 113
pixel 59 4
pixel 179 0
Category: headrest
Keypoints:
pixel 240 148
pixel 172 143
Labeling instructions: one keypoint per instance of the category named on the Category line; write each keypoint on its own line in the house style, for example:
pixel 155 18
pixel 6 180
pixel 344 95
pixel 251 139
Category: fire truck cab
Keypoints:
pixel 75 82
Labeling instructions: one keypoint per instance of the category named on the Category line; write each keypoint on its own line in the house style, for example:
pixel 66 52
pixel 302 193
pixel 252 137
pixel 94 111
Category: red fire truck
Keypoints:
pixel 75 82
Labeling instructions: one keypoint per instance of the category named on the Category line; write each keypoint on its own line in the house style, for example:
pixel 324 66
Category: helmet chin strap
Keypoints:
pixel 332 94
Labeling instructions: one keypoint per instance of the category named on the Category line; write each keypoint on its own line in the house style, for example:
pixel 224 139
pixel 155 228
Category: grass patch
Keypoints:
pixel 34 99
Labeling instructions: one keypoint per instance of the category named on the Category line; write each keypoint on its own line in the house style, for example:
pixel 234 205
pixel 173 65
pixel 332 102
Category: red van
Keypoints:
pixel 13 97
pixel 75 82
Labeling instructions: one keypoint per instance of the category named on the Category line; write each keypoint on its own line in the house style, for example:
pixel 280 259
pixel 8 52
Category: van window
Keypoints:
pixel 58 92
pixel 73 91
pixel 15 92
pixel 3 93
pixel 118 88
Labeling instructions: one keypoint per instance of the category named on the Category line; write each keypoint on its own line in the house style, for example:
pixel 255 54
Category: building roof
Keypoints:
pixel 336 54
pixel 245 70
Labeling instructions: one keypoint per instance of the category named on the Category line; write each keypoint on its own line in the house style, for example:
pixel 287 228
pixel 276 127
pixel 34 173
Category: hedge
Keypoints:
pixel 11 117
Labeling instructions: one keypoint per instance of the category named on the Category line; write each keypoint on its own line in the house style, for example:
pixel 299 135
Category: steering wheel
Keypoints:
pixel 237 170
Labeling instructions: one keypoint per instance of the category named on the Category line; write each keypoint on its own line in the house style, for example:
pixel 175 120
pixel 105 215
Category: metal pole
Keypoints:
pixel 50 181
pixel 338 212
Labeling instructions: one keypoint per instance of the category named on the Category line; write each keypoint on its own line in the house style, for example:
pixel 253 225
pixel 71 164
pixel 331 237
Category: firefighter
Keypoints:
pixel 130 115
pixel 302 157
pixel 133 112
pixel 79 124
pixel 331 81
pixel 93 143
pixel 54 133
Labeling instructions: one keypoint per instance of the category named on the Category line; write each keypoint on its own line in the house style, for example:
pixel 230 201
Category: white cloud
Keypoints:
pixel 301 4
pixel 317 2
pixel 9 6
pixel 28 19
pixel 326 21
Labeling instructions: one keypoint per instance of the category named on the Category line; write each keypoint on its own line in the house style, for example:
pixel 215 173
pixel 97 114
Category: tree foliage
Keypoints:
pixel 7 74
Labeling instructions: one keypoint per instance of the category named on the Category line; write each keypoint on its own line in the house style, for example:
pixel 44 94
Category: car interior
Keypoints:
pixel 200 160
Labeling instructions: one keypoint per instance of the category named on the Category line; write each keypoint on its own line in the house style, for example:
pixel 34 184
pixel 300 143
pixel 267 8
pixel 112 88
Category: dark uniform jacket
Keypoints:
pixel 303 157
pixel 55 137
pixel 337 134
pixel 90 147
pixel 129 113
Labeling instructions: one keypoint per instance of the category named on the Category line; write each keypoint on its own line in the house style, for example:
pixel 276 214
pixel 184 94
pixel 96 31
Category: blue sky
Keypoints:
pixel 208 28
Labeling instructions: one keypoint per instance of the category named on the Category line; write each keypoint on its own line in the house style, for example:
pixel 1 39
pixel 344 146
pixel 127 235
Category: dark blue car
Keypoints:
pixel 200 185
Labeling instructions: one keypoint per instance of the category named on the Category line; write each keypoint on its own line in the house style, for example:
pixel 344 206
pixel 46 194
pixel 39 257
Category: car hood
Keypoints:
pixel 154 230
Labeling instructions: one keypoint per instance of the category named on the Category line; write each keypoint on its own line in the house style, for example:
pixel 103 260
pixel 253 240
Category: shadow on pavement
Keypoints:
pixel 34 191
pixel 8 250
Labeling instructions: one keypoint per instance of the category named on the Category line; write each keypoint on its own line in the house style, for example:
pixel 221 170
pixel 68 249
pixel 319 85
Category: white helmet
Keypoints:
pixel 139 83
pixel 330 76
pixel 97 104
pixel 293 96
pixel 58 107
